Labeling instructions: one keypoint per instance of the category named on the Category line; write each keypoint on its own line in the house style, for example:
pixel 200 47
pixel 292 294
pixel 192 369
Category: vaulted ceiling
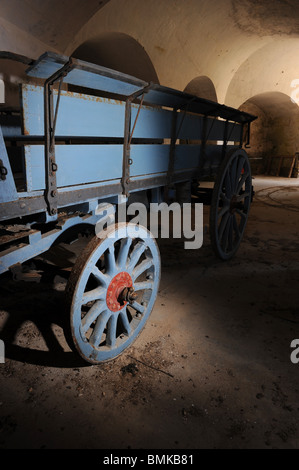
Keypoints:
pixel 52 22
pixel 243 48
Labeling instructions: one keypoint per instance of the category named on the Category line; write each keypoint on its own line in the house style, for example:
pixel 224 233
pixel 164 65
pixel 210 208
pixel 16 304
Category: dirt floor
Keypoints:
pixel 211 369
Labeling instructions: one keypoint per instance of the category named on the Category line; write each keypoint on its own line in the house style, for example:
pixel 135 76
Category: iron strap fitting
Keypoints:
pixel 3 171
pixel 50 120
pixel 128 136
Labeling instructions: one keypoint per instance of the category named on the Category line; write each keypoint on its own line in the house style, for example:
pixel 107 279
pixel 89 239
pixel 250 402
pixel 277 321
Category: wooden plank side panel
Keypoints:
pixel 77 164
pixel 79 114
pixel 151 159
pixel 216 130
pixel 152 123
pixel 189 127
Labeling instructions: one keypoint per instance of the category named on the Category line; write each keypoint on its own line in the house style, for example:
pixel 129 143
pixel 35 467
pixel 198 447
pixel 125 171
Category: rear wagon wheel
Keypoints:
pixel 230 205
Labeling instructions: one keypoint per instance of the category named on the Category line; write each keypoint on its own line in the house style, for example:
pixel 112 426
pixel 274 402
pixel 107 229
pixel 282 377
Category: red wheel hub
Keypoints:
pixel 120 282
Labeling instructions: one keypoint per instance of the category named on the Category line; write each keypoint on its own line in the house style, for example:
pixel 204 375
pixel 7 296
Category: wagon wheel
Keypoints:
pixel 112 290
pixel 230 204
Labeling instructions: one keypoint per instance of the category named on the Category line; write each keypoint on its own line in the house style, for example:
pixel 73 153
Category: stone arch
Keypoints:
pixel 272 67
pixel 275 132
pixel 12 75
pixel 120 52
pixel 203 87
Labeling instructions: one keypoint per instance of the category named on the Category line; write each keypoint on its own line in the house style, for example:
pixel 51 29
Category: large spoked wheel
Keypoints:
pixel 112 290
pixel 230 204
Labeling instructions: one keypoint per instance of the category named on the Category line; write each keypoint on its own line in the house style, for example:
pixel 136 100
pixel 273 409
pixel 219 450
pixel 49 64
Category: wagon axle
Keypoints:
pixel 128 295
pixel 235 204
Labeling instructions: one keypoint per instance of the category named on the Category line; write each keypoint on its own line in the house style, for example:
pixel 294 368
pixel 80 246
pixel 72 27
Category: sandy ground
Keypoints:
pixel 211 369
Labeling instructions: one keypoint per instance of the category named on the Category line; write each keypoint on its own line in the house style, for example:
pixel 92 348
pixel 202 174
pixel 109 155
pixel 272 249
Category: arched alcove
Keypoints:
pixel 120 52
pixel 202 87
pixel 12 76
pixel 275 132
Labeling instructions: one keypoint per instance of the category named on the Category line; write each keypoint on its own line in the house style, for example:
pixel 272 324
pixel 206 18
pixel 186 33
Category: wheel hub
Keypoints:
pixel 120 291
pixel 233 204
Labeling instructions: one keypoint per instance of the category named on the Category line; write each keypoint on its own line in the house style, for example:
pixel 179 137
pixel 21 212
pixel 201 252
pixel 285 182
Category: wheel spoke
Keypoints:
pixel 230 235
pixel 98 331
pixel 92 315
pixel 241 214
pixel 225 205
pixel 137 306
pixel 241 182
pixel 124 252
pixel 95 294
pixel 228 185
pixel 223 211
pixel 236 227
pixel 239 169
pixel 143 266
pixel 125 321
pixel 225 199
pixel 145 285
pixel 223 224
pixel 101 277
pixel 225 235
pixel 233 173
pixel 111 331
pixel 110 260
pixel 243 196
pixel 135 255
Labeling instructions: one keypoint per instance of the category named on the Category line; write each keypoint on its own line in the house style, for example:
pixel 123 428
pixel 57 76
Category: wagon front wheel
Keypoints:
pixel 112 290
pixel 230 204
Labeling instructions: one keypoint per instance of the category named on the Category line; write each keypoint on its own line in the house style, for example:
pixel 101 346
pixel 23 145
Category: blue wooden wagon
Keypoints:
pixel 87 135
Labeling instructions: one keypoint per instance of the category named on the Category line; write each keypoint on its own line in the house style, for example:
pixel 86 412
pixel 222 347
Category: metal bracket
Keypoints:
pixel 225 138
pixel 232 130
pixel 204 138
pixel 241 136
pixel 174 136
pixel 172 150
pixel 247 145
pixel 128 135
pixel 3 171
pixel 50 119
pixel 126 150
